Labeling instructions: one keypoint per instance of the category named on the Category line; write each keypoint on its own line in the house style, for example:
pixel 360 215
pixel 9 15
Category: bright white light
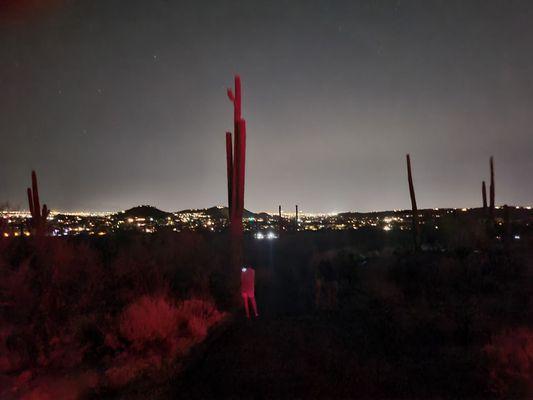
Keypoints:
pixel 259 236
pixel 517 237
pixel 387 228
pixel 271 235
pixel 243 269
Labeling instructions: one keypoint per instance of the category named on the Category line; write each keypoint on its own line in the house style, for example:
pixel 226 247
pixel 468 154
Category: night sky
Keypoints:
pixel 120 103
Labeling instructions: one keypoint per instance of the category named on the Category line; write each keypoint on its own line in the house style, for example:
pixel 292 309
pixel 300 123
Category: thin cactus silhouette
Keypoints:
pixel 38 215
pixel 492 189
pixel 280 221
pixel 414 208
pixel 484 195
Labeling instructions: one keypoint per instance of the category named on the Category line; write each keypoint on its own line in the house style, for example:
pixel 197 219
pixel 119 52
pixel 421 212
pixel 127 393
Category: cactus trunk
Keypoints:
pixel 38 215
pixel 280 221
pixel 414 208
pixel 236 163
pixel 492 189
pixel 229 160
pixel 484 194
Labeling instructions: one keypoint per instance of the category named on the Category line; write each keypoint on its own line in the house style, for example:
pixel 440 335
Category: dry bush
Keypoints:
pixel 149 319
pixel 200 316
pixel 510 361
pixel 157 319
pixel 158 330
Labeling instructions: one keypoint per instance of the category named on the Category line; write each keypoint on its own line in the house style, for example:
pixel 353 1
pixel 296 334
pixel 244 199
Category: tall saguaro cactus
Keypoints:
pixel 38 215
pixel 416 226
pixel 280 221
pixel 492 189
pixel 236 161
pixel 484 194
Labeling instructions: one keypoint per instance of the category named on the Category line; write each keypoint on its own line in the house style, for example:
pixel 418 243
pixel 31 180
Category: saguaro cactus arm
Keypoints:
pixel 231 95
pixel 45 213
pixel 30 201
pixel 35 192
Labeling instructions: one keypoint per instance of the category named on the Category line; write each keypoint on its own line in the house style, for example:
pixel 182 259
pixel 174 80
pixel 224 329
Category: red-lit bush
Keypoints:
pixel 158 329
pixel 122 305
pixel 149 319
pixel 510 357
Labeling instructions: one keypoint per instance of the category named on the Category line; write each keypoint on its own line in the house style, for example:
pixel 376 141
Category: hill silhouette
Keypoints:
pixel 145 211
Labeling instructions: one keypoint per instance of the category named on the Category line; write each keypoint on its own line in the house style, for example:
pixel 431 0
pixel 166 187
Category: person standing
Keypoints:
pixel 248 290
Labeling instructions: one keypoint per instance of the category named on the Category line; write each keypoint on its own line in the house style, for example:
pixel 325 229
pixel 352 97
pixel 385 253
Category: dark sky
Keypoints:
pixel 119 103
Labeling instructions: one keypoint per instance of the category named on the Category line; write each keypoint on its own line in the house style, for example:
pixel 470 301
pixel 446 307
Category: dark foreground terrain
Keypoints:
pixel 377 346
pixel 352 314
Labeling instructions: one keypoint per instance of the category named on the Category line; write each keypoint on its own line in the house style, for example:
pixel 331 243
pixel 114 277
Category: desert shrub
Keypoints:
pixel 510 363
pixel 157 319
pixel 79 304
pixel 200 316
pixel 157 329
pixel 149 319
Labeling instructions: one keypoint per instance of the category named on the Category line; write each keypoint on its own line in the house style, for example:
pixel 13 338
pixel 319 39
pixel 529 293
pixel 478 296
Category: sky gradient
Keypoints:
pixel 120 103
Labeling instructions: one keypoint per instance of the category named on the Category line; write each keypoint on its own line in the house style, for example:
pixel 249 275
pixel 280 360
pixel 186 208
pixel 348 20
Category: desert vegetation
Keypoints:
pixel 81 318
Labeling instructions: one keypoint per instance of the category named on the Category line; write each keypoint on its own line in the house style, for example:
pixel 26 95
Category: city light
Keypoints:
pixel 265 227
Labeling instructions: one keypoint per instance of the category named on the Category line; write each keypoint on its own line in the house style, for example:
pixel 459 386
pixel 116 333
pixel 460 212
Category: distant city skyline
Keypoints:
pixel 117 105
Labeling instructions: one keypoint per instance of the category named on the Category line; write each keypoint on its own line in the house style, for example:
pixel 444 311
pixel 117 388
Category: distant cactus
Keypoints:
pixel 484 194
pixel 38 215
pixel 280 220
pixel 416 227
pixel 492 189
pixel 296 224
